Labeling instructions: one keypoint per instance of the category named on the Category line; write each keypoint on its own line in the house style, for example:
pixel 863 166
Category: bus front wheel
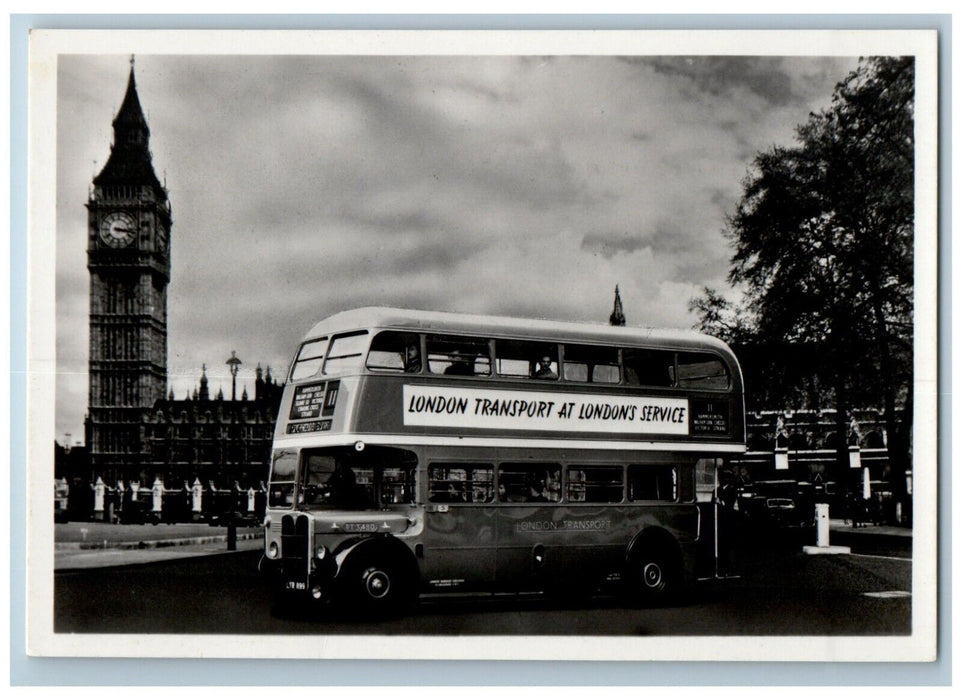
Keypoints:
pixel 376 585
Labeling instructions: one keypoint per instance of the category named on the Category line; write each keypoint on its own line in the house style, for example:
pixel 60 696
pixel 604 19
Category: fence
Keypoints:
pixel 137 503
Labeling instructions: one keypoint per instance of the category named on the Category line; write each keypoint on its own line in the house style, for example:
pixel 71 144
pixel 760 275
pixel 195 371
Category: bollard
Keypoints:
pixel 821 524
pixel 157 499
pixel 100 490
pixel 231 536
pixel 196 496
pixel 821 534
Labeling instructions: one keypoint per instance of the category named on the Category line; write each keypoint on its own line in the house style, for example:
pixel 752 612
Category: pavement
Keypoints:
pixel 845 526
pixel 85 545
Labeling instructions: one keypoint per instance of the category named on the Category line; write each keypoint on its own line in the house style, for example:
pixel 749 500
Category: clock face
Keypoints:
pixel 118 229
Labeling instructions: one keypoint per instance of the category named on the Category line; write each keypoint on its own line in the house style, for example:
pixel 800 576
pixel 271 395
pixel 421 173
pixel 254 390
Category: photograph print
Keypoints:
pixel 475 339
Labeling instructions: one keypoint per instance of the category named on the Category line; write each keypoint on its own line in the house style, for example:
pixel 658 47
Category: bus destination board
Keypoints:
pixel 710 417
pixel 307 402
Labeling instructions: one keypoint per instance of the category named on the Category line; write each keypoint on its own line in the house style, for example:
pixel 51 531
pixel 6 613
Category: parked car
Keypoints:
pixel 782 503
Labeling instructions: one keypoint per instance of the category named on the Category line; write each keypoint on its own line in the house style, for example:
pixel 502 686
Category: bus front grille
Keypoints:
pixel 295 544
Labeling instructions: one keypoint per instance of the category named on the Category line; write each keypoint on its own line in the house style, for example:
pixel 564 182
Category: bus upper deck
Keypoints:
pixel 471 377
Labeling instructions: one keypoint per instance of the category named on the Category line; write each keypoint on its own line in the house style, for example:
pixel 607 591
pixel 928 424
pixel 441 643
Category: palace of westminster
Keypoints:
pixel 136 431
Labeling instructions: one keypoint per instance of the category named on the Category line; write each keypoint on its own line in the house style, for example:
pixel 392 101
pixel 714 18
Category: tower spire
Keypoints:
pixel 204 390
pixel 129 162
pixel 617 317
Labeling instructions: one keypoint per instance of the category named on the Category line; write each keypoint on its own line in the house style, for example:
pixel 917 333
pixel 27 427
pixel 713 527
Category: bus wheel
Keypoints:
pixel 653 576
pixel 377 585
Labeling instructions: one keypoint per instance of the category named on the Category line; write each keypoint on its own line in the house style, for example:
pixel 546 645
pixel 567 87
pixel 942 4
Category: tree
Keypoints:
pixel 823 253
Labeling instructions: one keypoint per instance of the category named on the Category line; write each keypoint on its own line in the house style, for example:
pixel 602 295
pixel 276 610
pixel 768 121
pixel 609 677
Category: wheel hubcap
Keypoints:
pixel 652 575
pixel 377 583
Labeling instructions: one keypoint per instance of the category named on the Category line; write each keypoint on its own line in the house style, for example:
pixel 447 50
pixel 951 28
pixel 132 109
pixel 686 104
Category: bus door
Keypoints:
pixel 716 501
pixel 531 533
pixel 460 539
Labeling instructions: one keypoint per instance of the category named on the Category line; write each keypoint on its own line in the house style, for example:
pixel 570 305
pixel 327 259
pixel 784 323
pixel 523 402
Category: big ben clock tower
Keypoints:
pixel 128 256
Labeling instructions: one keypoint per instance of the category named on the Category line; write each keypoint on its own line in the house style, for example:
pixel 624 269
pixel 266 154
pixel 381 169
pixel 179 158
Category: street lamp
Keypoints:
pixel 234 363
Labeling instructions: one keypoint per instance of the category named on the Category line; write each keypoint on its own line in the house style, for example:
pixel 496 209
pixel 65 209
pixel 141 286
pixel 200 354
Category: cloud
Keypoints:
pixel 764 77
pixel 529 186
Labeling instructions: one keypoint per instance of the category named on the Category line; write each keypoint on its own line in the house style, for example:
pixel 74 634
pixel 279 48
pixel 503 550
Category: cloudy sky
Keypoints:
pixel 522 186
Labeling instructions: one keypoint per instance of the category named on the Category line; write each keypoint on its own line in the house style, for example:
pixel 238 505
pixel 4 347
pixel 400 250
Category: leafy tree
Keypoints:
pixel 823 253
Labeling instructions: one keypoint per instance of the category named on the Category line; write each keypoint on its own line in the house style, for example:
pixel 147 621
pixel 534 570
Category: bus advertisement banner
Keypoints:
pixel 443 407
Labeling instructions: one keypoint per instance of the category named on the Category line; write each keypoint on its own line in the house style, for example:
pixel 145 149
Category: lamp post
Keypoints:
pixel 234 363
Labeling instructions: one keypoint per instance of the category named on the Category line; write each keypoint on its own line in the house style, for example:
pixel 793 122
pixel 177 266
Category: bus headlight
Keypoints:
pixel 273 550
pixel 321 553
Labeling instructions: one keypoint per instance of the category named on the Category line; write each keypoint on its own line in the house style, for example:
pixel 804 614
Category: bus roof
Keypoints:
pixel 375 317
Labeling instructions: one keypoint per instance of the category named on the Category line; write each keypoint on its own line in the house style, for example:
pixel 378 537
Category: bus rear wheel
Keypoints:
pixel 653 576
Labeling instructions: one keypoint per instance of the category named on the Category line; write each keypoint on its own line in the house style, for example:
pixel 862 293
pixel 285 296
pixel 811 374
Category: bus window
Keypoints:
pixel 517 358
pixel 392 351
pixel 458 355
pixel 705 477
pixel 652 482
pixel 585 363
pixel 309 359
pixel 397 486
pixel 282 478
pixel 649 367
pixel 346 353
pixel 595 483
pixel 459 482
pixel 344 479
pixel 528 482
pixel 701 371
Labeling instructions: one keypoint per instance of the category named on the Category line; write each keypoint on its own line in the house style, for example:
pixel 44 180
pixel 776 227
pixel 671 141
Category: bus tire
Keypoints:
pixel 376 584
pixel 654 575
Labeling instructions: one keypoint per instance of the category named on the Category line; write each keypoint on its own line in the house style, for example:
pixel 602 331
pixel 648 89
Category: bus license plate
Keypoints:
pixel 296 586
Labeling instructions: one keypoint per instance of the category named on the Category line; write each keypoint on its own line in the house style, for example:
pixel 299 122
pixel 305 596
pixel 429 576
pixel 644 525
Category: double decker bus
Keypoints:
pixel 419 452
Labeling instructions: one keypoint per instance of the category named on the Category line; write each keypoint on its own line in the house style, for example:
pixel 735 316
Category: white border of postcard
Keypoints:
pixel 46 45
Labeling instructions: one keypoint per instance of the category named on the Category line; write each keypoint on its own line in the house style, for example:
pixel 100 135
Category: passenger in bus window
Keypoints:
pixel 412 359
pixel 544 369
pixel 537 489
pixel 460 368
pixel 553 487
pixel 452 493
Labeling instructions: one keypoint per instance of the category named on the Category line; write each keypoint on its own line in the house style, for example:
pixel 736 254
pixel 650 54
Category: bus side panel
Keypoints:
pixel 528 539
pixel 594 546
pixel 681 522
pixel 459 547
pixel 556 546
